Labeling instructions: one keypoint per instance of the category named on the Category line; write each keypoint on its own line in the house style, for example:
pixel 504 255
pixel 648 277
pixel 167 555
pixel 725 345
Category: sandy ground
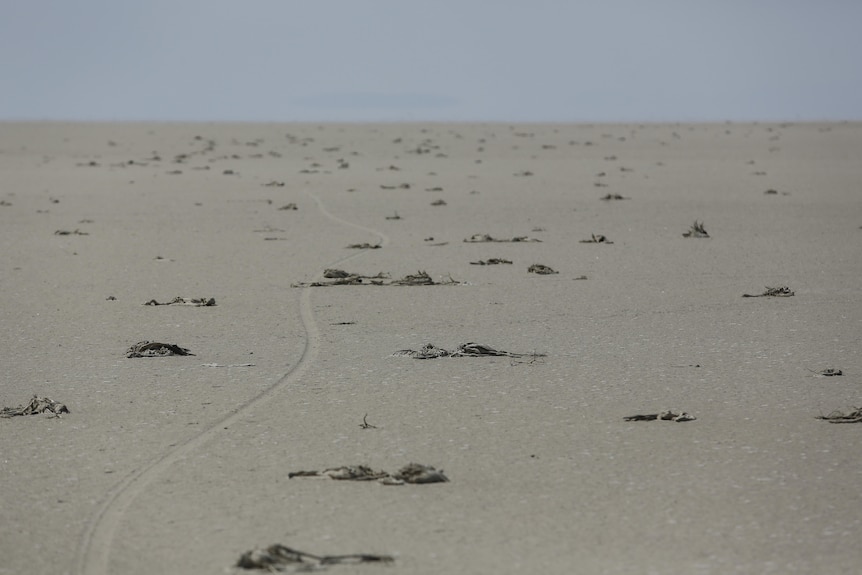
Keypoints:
pixel 165 465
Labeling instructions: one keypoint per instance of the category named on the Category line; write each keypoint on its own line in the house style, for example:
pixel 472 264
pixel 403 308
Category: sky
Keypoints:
pixel 441 60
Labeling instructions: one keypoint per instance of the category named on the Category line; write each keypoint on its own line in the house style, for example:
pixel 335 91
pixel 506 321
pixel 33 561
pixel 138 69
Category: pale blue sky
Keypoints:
pixel 459 60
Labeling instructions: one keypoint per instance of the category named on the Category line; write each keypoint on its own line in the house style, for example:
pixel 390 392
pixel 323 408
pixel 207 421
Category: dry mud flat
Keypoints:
pixel 647 418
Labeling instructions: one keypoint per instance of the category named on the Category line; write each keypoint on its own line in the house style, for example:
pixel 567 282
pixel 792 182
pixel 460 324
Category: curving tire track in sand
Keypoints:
pixel 95 547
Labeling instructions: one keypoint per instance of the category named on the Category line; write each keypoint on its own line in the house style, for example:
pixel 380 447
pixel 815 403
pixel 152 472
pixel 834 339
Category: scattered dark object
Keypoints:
pixel 111 298
pixel 438 203
pixel 353 473
pixel 36 406
pixel 696 231
pixel 417 473
pixel 75 232
pixel 290 206
pixel 274 184
pixel 829 372
pixel 427 351
pixel 395 217
pixel 422 278
pixel 365 246
pixel 334 273
pixel 414 473
pixel 597 239
pixel 344 323
pixel 524 173
pixel 278 558
pixel 365 424
pixel 340 277
pixel 293 474
pixel 541 269
pixel 854 416
pixel 194 302
pixel 482 238
pixel 490 262
pixel 431 351
pixel 782 291
pixel 664 416
pixel 609 197
pixel 771 192
pixel 581 278
pixel 155 349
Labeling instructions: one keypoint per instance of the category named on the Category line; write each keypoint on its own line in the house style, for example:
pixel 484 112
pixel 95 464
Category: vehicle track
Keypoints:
pixel 95 547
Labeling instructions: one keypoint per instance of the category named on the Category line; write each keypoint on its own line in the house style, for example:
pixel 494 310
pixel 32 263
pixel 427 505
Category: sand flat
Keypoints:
pixel 166 465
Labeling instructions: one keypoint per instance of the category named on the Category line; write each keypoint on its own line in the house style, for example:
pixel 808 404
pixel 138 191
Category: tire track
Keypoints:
pixel 95 547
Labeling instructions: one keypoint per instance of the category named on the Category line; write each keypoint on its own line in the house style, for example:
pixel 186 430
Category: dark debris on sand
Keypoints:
pixel 193 302
pixel 782 291
pixel 422 278
pixel 485 238
pixel 156 349
pixel 36 406
pixel 471 349
pixel 668 415
pixel 340 277
pixel 364 246
pixel 828 372
pixel 414 473
pixel 490 262
pixel 854 416
pixel 541 269
pixel 597 239
pixel 280 559
pixel 696 231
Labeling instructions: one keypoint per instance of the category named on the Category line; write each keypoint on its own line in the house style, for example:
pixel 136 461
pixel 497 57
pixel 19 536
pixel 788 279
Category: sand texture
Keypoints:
pixel 180 463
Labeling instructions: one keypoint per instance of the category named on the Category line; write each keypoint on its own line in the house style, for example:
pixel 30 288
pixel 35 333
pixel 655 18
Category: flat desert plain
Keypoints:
pixel 181 464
